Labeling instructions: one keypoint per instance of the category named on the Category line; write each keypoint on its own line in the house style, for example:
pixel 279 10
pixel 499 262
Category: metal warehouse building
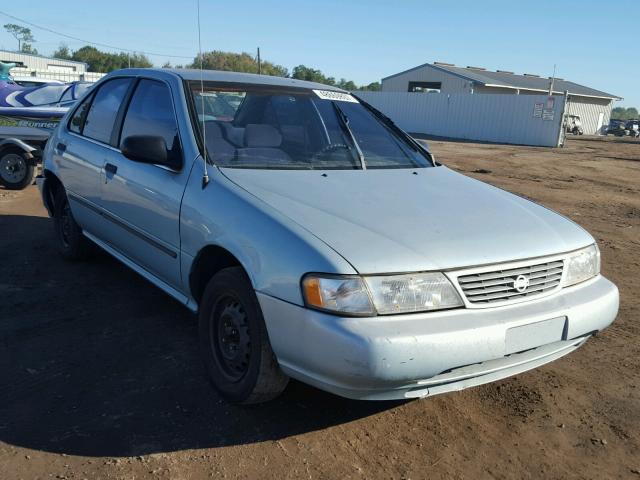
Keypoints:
pixel 42 64
pixel 28 65
pixel 593 106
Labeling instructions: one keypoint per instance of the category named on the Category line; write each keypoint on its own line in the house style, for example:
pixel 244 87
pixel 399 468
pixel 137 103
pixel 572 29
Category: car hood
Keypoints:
pixel 412 220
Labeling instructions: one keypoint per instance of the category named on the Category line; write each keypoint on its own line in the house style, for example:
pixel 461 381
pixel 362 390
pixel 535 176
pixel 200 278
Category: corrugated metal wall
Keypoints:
pixel 490 118
pixel 589 110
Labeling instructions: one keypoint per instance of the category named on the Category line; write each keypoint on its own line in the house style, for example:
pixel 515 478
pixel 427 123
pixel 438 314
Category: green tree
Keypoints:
pixel 28 48
pixel 302 72
pixel 105 62
pixel 236 62
pixel 618 113
pixel 62 52
pixel 22 34
pixel 347 84
pixel 621 113
pixel 372 87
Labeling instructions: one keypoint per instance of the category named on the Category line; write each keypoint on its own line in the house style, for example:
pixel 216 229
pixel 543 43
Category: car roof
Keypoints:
pixel 227 77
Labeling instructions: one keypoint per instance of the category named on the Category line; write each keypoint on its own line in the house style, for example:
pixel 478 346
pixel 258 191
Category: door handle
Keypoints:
pixel 110 168
pixel 61 147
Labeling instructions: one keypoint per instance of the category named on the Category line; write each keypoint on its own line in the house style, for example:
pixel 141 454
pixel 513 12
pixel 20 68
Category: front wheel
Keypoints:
pixel 234 341
pixel 16 171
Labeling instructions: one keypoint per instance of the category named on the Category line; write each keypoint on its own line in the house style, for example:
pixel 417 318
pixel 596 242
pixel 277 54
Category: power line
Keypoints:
pixel 105 45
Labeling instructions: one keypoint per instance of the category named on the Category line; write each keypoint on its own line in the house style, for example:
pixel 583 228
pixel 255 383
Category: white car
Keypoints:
pixel 317 240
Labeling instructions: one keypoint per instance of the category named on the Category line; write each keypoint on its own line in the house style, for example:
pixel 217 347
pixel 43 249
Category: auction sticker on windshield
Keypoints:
pixel 331 95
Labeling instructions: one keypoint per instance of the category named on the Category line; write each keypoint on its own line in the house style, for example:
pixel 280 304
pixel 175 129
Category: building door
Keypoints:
pixel 600 123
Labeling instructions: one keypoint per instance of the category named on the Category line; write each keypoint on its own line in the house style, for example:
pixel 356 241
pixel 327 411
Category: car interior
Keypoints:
pixel 266 129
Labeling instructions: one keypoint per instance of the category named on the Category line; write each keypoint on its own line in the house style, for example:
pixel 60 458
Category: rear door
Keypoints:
pixel 83 147
pixel 143 200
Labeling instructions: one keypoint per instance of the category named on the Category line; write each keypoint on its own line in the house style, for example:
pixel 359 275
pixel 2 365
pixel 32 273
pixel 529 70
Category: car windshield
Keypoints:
pixel 266 127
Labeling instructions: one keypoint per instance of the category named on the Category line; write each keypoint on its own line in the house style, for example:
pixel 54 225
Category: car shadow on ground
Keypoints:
pixel 96 361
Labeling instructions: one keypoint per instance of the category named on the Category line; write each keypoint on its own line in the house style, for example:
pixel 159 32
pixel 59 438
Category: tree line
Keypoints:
pixel 621 113
pixel 105 62
pixel 245 62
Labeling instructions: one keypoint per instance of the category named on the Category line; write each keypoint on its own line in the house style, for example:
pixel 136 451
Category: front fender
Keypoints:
pixel 275 251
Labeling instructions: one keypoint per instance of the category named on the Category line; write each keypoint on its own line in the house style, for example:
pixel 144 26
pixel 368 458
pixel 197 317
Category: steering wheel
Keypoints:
pixel 330 148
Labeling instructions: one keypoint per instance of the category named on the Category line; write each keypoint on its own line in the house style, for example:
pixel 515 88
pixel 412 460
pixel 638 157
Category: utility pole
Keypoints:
pixel 259 63
pixel 553 79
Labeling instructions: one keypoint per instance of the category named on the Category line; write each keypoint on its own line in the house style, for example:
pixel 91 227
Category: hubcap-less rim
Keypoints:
pixel 65 223
pixel 229 338
pixel 13 168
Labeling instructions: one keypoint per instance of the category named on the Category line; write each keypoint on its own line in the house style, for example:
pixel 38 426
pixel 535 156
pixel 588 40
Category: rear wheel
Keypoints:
pixel 72 244
pixel 16 171
pixel 234 341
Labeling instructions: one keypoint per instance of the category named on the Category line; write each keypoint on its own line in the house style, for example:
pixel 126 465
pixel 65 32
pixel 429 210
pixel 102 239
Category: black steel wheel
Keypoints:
pixel 234 342
pixel 229 337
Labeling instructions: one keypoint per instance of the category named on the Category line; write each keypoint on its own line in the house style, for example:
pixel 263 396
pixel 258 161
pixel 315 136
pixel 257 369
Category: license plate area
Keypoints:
pixel 535 335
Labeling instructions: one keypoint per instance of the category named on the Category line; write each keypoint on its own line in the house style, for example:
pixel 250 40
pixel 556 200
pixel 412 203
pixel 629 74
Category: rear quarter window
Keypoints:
pixel 77 120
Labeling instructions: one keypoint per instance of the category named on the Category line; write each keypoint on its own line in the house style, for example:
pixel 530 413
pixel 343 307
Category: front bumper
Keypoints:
pixel 417 355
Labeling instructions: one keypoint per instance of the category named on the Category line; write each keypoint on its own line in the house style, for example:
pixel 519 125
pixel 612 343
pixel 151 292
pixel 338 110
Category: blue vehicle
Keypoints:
pixel 316 240
pixel 28 115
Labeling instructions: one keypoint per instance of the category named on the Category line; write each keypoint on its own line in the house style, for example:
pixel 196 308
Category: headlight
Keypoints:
pixel 412 293
pixel 384 295
pixel 582 265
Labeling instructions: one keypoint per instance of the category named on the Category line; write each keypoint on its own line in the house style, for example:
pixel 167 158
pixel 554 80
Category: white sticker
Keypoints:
pixel 331 95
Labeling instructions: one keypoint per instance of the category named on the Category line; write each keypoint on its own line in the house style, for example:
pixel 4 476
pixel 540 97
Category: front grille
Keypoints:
pixel 498 285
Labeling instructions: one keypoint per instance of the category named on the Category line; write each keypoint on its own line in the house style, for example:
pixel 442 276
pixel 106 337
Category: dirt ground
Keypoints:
pixel 100 375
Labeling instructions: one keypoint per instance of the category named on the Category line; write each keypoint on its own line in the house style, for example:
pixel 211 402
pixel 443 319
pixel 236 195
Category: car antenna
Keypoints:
pixel 205 175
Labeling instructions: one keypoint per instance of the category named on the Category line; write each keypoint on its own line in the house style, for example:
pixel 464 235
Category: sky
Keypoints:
pixel 362 40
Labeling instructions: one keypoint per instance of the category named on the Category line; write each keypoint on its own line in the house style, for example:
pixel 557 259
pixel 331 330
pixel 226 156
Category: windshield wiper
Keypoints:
pixel 390 124
pixel 344 123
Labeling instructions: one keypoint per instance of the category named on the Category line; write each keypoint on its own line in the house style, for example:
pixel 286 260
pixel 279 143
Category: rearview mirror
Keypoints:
pixel 146 149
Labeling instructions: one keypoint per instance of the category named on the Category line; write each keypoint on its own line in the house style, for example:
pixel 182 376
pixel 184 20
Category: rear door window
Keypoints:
pixel 104 109
pixel 151 113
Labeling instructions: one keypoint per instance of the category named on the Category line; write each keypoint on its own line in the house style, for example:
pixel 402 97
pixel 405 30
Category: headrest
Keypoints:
pixel 213 129
pixel 261 135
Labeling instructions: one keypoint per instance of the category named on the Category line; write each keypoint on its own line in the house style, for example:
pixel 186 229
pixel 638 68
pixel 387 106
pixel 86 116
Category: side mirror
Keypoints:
pixel 146 149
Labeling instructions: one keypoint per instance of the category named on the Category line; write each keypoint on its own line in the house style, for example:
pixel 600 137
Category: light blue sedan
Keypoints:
pixel 315 239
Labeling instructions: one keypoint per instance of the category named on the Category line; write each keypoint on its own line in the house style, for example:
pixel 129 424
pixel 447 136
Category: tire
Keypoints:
pixel 16 170
pixel 234 342
pixel 71 243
